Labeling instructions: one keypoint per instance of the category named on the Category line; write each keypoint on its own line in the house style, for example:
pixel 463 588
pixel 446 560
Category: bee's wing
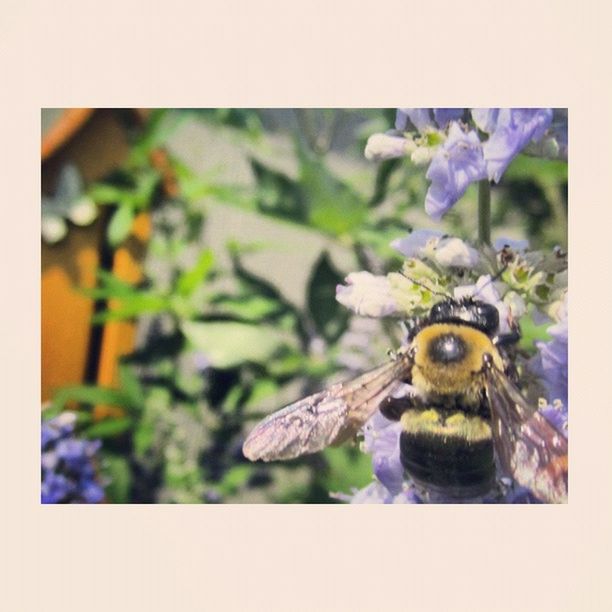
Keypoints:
pixel 529 448
pixel 332 416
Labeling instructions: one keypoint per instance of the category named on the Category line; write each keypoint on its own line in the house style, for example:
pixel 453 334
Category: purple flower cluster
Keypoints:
pixel 464 146
pixel 68 474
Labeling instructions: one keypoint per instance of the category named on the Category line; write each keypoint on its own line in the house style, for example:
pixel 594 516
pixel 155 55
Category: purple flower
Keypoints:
pixel 511 129
pixel 419 117
pixel 515 245
pixel 556 413
pixel 381 440
pixel 485 118
pixel 68 474
pixel 55 488
pixel 422 120
pixel 551 362
pixel 444 116
pixel 463 159
pixel 456 164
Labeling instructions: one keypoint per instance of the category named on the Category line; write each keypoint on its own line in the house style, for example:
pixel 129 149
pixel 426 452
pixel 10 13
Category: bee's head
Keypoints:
pixel 480 315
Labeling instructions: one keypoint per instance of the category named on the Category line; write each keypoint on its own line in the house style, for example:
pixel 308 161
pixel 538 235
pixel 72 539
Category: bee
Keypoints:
pixel 466 428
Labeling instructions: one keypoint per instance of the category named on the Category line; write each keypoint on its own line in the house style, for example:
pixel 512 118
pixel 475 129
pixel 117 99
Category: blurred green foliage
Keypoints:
pixel 222 343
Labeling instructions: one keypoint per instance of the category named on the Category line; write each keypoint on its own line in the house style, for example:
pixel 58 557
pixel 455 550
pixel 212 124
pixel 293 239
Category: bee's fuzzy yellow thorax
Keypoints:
pixel 449 358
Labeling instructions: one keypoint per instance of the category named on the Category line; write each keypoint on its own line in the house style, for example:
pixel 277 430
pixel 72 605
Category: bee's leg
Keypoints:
pixel 507 339
pixel 392 408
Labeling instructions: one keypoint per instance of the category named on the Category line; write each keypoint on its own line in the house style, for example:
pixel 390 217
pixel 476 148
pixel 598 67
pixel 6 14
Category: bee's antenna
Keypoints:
pixel 416 282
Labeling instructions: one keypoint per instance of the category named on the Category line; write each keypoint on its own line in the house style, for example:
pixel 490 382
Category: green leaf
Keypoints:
pixel 228 344
pixel 133 306
pixel 130 385
pixel 114 286
pixel 348 468
pixel 105 193
pixel 190 280
pixel 538 169
pixel 87 394
pixel 277 194
pixel 159 128
pixel 248 307
pixel 384 173
pixel 120 225
pixel 146 182
pixel 109 428
pixel 143 438
pixel 262 389
pixel 116 470
pixel 333 206
pixel 234 479
pixel 232 399
pixel 531 333
pixel 328 315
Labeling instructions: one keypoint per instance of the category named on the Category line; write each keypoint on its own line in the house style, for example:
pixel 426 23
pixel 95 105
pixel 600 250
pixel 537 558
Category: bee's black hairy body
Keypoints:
pixel 446 444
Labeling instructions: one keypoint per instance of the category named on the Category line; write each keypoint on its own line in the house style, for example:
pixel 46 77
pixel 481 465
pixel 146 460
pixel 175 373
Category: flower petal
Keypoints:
pixel 367 295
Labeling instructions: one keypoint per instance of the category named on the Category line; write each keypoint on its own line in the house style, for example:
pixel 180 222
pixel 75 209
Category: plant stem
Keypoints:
pixel 484 212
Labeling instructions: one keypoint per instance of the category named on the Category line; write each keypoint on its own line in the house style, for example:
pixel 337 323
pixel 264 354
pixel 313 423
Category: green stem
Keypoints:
pixel 484 212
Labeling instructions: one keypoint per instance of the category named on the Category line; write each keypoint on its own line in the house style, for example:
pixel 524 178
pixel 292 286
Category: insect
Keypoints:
pixel 466 426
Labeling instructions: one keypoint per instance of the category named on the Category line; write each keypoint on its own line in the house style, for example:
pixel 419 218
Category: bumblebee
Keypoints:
pixel 465 428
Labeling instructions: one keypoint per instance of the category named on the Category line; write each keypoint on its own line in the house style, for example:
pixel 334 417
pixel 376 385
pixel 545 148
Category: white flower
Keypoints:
pixel 453 252
pixel 448 252
pixel 415 244
pixel 386 146
pixel 367 295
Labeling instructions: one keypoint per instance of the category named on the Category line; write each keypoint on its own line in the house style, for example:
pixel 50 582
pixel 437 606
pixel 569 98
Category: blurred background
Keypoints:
pixel 189 265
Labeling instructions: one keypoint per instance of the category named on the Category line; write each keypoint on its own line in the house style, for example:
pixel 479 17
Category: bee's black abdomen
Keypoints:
pixel 441 460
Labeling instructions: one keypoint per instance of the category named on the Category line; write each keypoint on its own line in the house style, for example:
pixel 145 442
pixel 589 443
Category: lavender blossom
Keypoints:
pixel 446 138
pixel 419 117
pixel 444 116
pixel 512 129
pixel 552 360
pixel 381 440
pixel 457 163
pixel 68 474
pixel 516 245
pixel 422 119
pixel 556 413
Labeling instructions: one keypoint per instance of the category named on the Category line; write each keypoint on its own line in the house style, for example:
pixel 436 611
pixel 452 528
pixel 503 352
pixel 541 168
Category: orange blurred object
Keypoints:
pixel 96 142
